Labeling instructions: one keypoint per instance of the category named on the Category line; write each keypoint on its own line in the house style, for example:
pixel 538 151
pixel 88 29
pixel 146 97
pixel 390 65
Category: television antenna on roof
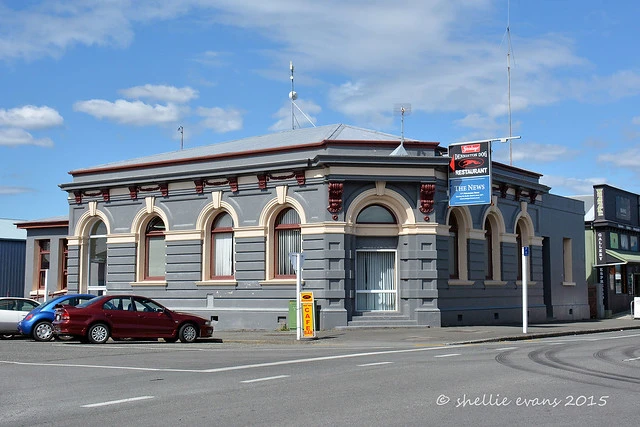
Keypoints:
pixel 402 109
pixel 293 96
pixel 509 53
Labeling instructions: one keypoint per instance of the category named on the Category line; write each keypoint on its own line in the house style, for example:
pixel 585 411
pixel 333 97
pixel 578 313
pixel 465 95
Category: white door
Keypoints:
pixel 376 281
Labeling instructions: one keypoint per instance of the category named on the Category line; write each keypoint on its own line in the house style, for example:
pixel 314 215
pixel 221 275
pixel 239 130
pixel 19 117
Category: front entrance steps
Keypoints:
pixel 381 319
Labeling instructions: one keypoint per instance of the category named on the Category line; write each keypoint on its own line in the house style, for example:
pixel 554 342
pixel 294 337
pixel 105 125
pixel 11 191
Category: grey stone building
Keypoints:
pixel 210 229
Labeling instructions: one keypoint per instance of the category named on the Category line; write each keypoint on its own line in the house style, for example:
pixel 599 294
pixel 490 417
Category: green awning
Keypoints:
pixel 625 257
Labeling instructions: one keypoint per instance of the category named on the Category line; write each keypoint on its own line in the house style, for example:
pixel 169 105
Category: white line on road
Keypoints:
pixel 506 348
pixel 375 364
pixel 631 360
pixel 448 355
pixel 236 367
pixel 115 402
pixel 264 379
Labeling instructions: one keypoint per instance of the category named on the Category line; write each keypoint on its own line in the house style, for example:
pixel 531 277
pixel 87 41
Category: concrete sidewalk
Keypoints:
pixel 375 337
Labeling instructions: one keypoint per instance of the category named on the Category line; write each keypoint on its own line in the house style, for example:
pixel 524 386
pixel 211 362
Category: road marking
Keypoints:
pixel 506 348
pixel 375 364
pixel 631 360
pixel 237 367
pixel 264 379
pixel 116 402
pixel 448 355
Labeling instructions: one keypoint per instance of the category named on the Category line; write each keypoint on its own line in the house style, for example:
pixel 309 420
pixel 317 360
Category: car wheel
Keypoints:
pixel 188 333
pixel 98 333
pixel 42 331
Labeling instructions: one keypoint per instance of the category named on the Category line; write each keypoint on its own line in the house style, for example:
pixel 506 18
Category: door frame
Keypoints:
pixel 395 282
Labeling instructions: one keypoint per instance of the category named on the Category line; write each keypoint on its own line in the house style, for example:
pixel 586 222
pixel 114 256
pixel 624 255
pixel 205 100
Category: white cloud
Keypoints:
pixel 49 28
pixel 161 93
pixel 625 159
pixel 571 186
pixel 15 137
pixel 221 120
pixel 427 53
pixel 542 153
pixel 30 117
pixel 130 113
pixel 309 108
pixel 8 190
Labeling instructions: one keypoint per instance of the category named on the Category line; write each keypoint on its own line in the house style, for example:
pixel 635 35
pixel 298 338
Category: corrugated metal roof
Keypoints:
pixel 9 231
pixel 294 137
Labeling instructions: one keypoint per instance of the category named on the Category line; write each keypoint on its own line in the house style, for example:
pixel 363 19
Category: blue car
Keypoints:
pixel 37 324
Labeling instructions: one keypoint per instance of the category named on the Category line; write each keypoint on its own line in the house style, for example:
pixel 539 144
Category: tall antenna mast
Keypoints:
pixel 293 96
pixel 401 109
pixel 181 130
pixel 509 78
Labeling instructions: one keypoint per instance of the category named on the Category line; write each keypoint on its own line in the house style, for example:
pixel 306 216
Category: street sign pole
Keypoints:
pixel 298 289
pixel 525 276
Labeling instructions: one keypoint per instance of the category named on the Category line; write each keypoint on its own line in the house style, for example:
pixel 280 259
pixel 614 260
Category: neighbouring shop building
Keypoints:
pixel 613 252
pixel 12 258
pixel 209 230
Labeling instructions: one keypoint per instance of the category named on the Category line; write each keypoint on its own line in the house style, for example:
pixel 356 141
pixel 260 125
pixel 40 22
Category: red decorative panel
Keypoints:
pixel 427 191
pixel 335 198
pixel 106 194
pixel 199 186
pixel 78 196
pixel 262 181
pixel 133 192
pixel 300 177
pixel 233 184
pixel 164 189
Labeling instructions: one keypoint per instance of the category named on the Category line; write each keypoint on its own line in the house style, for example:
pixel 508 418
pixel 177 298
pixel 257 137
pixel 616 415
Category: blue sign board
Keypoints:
pixel 470 173
pixel 469 191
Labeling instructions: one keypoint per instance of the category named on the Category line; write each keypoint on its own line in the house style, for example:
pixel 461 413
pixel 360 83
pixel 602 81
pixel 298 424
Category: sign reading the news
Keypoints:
pixel 470 173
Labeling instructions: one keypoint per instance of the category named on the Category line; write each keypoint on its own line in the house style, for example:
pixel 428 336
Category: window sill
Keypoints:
pixel 458 282
pixel 150 283
pixel 494 283
pixel 278 282
pixel 227 282
pixel 568 283
pixel 529 283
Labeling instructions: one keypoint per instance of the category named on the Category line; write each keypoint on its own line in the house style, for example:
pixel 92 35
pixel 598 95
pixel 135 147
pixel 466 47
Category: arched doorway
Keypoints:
pixel 375 284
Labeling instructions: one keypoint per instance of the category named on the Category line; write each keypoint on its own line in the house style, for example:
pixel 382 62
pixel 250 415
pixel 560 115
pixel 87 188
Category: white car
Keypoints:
pixel 13 310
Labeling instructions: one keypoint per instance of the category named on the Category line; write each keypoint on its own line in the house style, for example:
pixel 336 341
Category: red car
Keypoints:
pixel 127 316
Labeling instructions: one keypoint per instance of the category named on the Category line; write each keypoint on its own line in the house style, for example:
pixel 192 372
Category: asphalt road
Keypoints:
pixel 573 380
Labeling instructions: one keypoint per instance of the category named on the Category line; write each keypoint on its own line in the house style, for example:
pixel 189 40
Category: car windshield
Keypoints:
pixel 90 301
pixel 51 302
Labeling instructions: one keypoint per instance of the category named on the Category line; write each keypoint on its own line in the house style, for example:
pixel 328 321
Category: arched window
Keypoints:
pixel 287 240
pixel 155 260
pixel 488 257
pixel 97 260
pixel 375 214
pixel 454 254
pixel 222 247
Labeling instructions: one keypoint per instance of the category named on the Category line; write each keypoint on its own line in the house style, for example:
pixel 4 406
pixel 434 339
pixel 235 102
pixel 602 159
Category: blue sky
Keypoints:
pixel 84 83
